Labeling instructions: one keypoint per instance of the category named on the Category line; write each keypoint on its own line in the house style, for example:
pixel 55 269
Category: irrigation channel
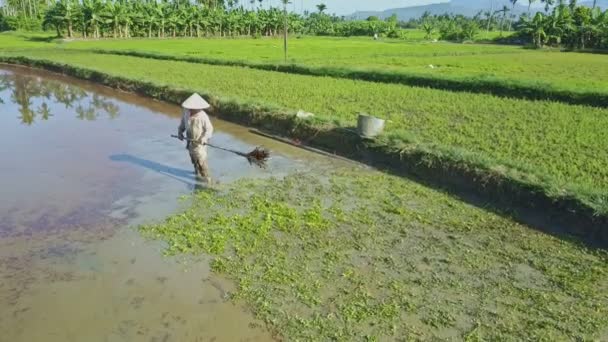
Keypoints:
pixel 81 165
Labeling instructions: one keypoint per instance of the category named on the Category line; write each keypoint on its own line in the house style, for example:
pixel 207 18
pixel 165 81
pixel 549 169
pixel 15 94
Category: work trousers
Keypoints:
pixel 198 156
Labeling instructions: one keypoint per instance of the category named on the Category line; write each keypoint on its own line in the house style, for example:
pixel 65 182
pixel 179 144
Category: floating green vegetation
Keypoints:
pixel 359 255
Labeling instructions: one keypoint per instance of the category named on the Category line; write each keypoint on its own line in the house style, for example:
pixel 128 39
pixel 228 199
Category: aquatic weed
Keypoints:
pixel 389 263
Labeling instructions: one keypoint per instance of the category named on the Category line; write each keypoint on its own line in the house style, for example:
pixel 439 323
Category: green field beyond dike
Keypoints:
pixel 578 73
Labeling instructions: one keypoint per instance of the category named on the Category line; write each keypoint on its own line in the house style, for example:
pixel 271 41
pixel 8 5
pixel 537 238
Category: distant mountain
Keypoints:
pixel 464 7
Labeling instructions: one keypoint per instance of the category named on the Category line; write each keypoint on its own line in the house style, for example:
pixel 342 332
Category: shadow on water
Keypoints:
pixel 184 176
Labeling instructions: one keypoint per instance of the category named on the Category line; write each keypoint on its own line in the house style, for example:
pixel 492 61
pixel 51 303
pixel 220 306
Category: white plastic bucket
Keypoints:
pixel 369 126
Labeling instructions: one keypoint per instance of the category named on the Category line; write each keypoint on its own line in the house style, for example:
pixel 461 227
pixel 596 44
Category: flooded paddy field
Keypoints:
pixel 310 249
pixel 80 166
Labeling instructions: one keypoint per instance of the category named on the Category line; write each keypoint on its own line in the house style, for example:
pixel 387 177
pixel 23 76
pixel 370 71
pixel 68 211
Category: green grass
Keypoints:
pixel 25 40
pixel 307 50
pixel 358 255
pixel 507 71
pixel 564 143
pixel 577 72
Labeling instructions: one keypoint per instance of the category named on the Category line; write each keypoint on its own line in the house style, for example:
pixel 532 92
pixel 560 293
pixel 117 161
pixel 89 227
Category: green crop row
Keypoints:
pixel 305 50
pixel 509 71
pixel 488 85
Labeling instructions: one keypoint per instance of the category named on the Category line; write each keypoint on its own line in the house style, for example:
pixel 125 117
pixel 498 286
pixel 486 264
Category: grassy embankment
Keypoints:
pixel 358 255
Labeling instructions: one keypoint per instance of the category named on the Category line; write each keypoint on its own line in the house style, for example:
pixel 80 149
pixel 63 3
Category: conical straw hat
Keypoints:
pixel 195 101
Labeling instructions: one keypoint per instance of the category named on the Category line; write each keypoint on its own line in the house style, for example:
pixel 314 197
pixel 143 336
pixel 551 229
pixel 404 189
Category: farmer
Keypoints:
pixel 195 122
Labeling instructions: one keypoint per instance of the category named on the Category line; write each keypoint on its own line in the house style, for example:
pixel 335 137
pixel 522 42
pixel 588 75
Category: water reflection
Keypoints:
pixel 35 95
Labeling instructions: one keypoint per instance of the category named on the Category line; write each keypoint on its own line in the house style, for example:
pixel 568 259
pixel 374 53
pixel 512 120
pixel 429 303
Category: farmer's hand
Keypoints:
pixel 180 136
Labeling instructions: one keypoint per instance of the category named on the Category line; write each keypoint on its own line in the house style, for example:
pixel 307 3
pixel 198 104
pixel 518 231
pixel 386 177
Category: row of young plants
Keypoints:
pixel 576 72
pixel 455 168
pixel 495 86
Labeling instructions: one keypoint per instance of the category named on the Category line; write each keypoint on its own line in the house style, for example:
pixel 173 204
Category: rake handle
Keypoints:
pixel 217 147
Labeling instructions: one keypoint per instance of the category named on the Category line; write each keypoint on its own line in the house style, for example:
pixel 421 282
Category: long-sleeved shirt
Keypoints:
pixel 198 128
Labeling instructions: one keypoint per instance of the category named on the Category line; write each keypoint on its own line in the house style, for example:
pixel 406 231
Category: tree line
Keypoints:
pixel 561 24
pixel 576 27
pixel 178 18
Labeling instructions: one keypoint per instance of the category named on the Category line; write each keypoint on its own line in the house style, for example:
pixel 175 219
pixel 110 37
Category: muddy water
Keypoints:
pixel 80 166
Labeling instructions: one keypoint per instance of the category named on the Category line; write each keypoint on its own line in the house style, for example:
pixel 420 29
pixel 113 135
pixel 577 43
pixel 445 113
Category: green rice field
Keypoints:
pixel 577 72
pixel 356 254
pixel 569 71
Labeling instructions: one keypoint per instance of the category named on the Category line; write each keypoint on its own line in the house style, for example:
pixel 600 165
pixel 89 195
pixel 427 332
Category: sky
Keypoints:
pixel 341 7
pixel 344 7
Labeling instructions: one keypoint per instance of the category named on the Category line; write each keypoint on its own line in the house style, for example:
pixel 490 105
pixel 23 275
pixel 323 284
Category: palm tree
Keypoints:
pixel 285 28
pixel 469 30
pixel 195 20
pixel 428 26
pixel 321 7
pixel 147 19
pixel 548 4
pixel 513 3
pixel 218 17
pixel 512 18
pixel 53 17
pixel 93 14
pixel 66 12
pixel 130 15
pixel 186 18
pixel 490 16
pixel 115 15
pixel 159 10
pixel 174 21
pixel 504 12
pixel 536 28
